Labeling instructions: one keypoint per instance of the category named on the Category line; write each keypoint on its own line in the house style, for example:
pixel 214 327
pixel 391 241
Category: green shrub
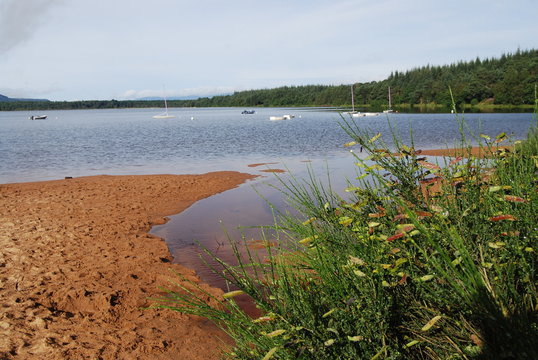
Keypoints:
pixel 399 270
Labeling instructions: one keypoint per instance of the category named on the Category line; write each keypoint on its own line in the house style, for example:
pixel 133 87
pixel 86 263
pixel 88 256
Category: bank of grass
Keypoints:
pixel 423 261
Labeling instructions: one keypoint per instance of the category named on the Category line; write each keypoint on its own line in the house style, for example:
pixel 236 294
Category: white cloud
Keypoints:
pixel 20 19
pixel 98 49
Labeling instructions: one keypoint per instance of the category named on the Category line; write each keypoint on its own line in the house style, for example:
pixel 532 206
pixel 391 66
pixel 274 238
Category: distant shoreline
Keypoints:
pixel 185 104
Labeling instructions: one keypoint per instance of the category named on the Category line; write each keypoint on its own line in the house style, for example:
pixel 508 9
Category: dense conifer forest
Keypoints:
pixel 505 82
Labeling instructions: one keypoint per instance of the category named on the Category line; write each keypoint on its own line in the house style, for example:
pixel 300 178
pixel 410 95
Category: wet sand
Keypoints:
pixel 78 265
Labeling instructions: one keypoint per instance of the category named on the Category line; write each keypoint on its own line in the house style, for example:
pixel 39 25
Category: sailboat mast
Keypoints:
pixel 390 102
pixel 352 99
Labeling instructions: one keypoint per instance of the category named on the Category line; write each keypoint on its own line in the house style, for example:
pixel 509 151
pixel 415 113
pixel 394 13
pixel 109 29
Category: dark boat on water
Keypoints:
pixel 248 112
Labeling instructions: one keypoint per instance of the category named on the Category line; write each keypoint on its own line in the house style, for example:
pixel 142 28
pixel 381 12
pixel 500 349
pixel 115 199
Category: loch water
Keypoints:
pixel 199 140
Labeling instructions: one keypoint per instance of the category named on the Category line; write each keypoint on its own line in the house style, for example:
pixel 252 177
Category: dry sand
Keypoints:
pixel 77 265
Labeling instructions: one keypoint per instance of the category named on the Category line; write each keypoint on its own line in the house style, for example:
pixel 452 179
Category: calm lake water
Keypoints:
pixel 130 141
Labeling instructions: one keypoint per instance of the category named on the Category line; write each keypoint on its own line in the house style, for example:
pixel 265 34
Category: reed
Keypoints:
pixel 425 259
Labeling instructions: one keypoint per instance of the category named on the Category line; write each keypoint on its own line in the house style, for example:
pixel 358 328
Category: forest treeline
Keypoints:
pixel 505 81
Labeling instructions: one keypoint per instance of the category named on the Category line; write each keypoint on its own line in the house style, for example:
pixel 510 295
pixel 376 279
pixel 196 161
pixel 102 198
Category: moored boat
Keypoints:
pixel 352 103
pixel 165 114
pixel 389 110
pixel 361 114
pixel 38 117
pixel 283 117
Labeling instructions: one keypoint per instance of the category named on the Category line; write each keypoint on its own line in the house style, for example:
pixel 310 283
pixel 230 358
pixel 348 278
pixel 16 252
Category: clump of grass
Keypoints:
pixel 422 261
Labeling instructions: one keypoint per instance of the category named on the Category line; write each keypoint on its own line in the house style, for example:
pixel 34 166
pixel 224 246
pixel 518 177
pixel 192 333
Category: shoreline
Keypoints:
pixel 78 264
pixel 476 151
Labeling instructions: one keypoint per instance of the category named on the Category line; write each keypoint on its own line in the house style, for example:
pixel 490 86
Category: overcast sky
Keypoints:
pixel 125 49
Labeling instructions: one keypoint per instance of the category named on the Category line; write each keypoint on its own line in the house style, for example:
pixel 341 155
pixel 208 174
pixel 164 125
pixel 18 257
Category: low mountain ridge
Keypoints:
pixel 7 99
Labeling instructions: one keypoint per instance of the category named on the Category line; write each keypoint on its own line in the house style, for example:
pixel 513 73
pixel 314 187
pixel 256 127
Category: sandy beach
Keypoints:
pixel 78 265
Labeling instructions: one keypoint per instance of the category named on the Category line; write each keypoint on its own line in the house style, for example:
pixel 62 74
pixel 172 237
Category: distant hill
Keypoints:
pixel 505 82
pixel 4 98
pixel 509 80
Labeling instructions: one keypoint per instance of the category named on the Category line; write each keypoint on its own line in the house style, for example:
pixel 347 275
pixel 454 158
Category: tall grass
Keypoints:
pixel 422 261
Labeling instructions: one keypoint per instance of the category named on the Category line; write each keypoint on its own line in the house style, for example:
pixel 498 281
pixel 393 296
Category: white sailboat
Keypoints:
pixel 361 114
pixel 389 110
pixel 165 114
pixel 352 103
pixel 354 113
pixel 283 117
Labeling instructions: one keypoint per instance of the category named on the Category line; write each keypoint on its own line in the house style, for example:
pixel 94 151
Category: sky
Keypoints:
pixel 128 49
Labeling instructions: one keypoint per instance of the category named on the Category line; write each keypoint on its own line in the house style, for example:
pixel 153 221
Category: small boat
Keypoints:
pixel 165 114
pixel 248 112
pixel 361 114
pixel 38 117
pixel 355 113
pixel 283 117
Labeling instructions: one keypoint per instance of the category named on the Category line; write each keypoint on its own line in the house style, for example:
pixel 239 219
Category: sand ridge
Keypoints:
pixel 77 265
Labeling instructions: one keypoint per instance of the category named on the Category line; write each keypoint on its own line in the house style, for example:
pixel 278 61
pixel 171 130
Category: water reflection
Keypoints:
pixel 237 214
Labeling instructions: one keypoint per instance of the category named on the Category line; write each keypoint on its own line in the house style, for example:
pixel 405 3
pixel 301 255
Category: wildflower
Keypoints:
pixel 502 217
pixel 428 165
pixel 423 214
pixel 514 199
pixel 396 236
pixel 270 353
pixel 232 294
pixel 359 273
pixel 306 241
pixel 405 227
pixel 275 333
pixel 426 278
pixel 356 261
pixel 345 221
pixel 376 215
pixel 262 319
pixel 510 233
pixel 309 221
pixel 375 138
pixel 411 343
pixel 430 323
pixel 501 137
